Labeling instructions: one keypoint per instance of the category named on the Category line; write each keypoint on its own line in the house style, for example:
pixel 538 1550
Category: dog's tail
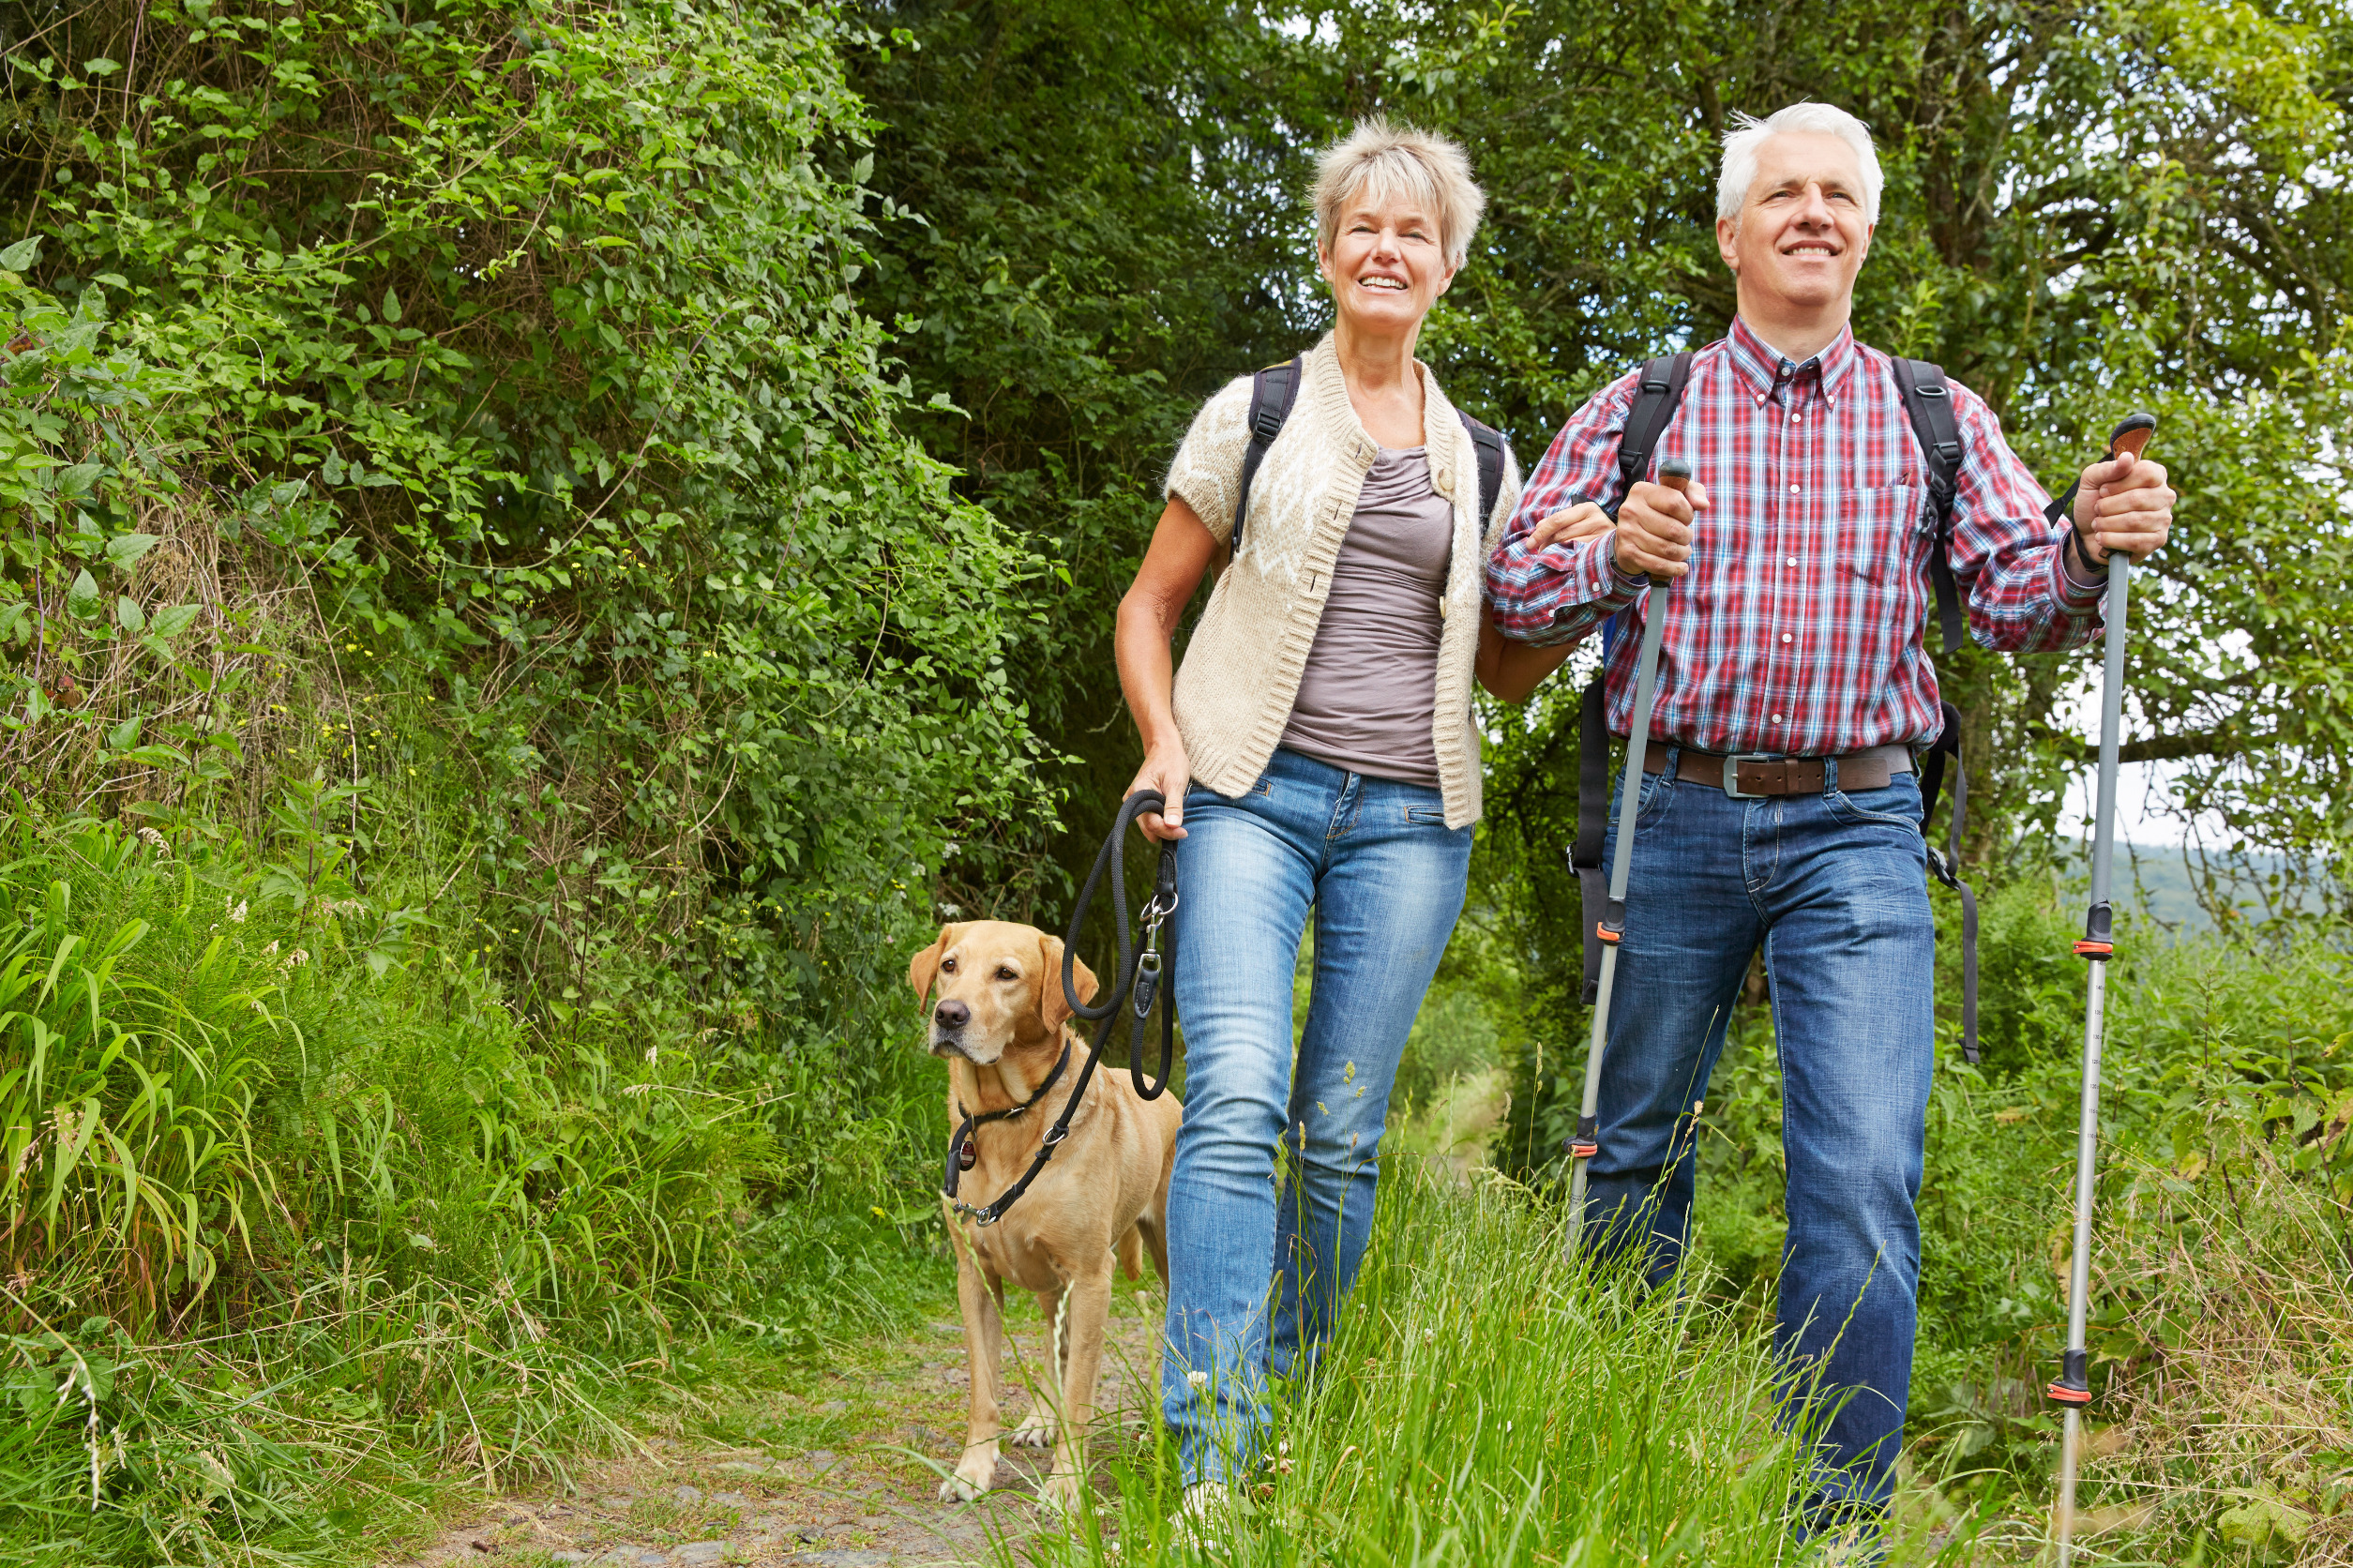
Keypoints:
pixel 1131 1252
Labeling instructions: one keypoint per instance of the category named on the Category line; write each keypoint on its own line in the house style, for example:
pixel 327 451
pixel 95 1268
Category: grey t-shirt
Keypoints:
pixel 1367 696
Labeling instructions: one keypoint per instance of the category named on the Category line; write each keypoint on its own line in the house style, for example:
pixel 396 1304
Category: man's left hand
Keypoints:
pixel 2124 503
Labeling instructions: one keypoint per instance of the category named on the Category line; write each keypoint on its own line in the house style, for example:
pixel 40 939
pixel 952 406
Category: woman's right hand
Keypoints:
pixel 1169 771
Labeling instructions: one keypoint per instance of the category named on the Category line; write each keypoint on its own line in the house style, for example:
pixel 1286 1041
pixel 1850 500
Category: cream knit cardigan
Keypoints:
pixel 1233 694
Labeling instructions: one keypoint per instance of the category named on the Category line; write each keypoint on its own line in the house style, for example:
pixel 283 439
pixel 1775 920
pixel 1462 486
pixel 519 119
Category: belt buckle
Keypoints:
pixel 1732 772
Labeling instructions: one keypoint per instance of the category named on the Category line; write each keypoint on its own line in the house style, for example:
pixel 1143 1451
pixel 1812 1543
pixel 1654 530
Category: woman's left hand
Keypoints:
pixel 1581 521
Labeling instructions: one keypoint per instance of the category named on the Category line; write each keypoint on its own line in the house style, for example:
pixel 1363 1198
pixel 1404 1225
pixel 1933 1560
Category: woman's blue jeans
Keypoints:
pixel 1259 1258
pixel 1834 887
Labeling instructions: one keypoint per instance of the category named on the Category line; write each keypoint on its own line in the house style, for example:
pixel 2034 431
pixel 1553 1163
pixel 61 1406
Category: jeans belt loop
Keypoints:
pixel 1674 761
pixel 1829 776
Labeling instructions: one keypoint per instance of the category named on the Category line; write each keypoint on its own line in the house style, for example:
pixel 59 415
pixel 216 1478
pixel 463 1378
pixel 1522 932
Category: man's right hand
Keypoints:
pixel 1653 535
pixel 1169 771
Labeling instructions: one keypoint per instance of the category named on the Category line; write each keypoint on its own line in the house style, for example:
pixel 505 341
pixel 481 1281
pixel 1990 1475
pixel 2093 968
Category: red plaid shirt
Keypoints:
pixel 1797 630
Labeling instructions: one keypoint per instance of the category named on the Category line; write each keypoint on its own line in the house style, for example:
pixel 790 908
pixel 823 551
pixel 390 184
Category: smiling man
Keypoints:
pixel 1779 804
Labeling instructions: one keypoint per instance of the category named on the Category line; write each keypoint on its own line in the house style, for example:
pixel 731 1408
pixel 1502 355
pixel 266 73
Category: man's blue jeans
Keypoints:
pixel 1385 878
pixel 1835 886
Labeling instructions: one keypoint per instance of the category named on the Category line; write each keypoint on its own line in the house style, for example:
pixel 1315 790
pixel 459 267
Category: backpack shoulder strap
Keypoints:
pixel 1947 870
pixel 1592 822
pixel 1489 441
pixel 1272 391
pixel 1656 397
pixel 1929 401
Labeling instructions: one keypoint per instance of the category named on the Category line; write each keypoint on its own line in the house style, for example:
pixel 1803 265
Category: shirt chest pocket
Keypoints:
pixel 1880 535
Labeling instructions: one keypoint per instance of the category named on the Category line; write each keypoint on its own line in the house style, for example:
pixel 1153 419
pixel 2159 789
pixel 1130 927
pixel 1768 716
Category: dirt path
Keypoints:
pixel 864 1500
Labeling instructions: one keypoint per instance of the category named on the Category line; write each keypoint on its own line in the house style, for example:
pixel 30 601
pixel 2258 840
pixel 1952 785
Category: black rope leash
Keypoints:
pixel 1137 976
pixel 961 1155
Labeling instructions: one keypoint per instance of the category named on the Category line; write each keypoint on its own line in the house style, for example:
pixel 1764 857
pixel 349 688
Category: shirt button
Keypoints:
pixel 1793 489
pixel 1776 719
pixel 1796 419
pixel 1784 637
pixel 1792 561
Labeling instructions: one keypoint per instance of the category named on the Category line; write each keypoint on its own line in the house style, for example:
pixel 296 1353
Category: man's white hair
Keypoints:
pixel 1749 135
pixel 1388 163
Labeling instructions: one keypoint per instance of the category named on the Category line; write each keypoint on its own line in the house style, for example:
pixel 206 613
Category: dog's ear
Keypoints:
pixel 1052 1005
pixel 924 967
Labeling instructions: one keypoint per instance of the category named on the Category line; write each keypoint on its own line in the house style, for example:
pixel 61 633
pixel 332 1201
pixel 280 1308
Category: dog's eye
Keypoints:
pixel 948 964
pixel 1004 973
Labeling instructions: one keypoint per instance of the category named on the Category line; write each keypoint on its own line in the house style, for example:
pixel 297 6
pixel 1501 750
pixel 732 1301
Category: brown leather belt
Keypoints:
pixel 1757 772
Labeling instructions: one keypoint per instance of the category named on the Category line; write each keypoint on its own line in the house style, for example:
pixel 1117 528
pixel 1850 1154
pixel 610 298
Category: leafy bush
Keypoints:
pixel 546 392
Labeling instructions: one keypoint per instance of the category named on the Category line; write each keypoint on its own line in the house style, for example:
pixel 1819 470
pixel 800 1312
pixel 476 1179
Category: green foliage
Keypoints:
pixel 1486 1403
pixel 326 1199
pixel 547 390
pixel 1065 311
pixel 214 1092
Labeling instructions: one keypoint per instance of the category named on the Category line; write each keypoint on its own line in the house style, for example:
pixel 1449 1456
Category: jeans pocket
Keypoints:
pixel 1425 816
pixel 1897 805
pixel 1650 806
pixel 1198 793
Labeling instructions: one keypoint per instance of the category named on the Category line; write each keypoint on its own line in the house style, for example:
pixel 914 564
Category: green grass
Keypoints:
pixel 292 1251
pixel 1486 1403
pixel 291 1242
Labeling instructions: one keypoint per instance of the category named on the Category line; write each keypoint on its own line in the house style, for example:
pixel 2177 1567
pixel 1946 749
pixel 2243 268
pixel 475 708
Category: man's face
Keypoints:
pixel 1801 237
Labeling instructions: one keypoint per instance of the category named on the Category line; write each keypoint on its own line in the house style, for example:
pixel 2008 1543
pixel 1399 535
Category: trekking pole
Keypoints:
pixel 2073 1387
pixel 1674 472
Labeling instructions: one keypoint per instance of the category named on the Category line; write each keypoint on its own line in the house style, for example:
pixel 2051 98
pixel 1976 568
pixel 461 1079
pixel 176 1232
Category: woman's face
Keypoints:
pixel 1386 264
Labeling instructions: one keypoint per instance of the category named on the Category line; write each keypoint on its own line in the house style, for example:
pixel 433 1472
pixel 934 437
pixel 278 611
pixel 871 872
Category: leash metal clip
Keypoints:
pixel 1148 955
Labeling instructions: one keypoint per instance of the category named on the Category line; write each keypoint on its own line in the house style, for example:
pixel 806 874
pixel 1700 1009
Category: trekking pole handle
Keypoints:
pixel 1675 473
pixel 2132 434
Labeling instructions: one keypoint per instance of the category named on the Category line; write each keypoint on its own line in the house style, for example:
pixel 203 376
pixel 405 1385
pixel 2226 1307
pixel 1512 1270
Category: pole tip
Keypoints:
pixel 1674 468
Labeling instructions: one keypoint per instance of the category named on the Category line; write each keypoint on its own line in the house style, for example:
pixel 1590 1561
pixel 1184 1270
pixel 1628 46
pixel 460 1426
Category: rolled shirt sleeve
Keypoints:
pixel 1560 592
pixel 2022 598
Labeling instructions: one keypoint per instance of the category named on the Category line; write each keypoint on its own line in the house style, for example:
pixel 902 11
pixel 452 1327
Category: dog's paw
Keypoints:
pixel 1059 1494
pixel 1036 1431
pixel 972 1478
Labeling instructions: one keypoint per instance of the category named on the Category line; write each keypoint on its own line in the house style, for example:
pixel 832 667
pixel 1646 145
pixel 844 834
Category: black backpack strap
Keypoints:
pixel 1946 867
pixel 1656 397
pixel 1489 441
pixel 1592 821
pixel 1929 402
pixel 1272 391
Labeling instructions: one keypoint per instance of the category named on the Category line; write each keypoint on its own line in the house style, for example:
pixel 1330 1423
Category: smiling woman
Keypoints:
pixel 1317 751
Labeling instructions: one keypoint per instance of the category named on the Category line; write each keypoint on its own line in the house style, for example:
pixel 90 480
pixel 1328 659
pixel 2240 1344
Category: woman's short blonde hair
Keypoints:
pixel 1387 162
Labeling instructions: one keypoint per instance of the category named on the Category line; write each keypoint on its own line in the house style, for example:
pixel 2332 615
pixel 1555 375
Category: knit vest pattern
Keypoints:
pixel 1241 671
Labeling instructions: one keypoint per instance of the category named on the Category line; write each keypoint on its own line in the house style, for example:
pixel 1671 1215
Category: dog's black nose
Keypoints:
pixel 952 1014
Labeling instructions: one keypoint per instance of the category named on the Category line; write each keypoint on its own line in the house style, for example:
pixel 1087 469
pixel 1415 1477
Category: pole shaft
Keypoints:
pixel 2086 1159
pixel 2095 1009
pixel 1621 867
pixel 2111 726
pixel 1594 1048
pixel 2071 1435
pixel 1638 742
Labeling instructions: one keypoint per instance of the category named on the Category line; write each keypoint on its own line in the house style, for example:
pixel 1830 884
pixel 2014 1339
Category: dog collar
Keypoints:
pixel 961 1153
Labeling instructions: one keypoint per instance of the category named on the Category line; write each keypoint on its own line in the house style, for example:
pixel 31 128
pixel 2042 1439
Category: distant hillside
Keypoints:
pixel 2162 882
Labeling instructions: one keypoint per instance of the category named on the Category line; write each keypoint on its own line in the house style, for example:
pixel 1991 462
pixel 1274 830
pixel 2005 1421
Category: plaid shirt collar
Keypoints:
pixel 1762 369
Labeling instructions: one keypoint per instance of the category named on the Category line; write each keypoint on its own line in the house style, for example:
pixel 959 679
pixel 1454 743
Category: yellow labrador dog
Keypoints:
pixel 1000 1022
